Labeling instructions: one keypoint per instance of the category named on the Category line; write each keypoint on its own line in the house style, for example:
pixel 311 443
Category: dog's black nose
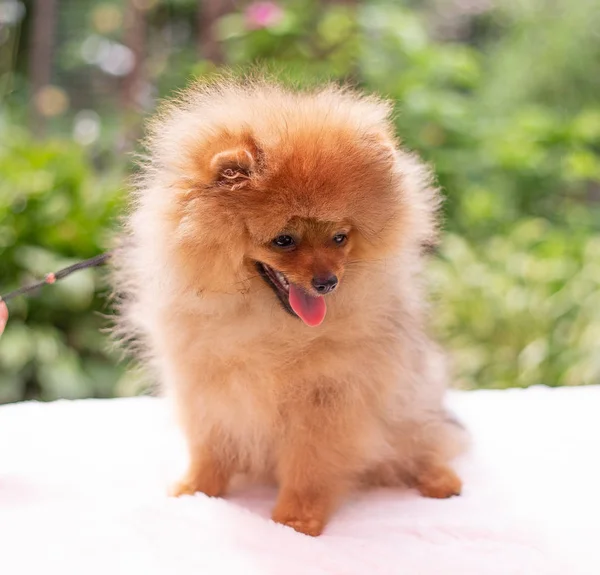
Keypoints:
pixel 325 284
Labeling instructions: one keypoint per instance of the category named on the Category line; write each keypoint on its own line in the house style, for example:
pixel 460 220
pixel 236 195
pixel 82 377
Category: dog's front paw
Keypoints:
pixel 305 513
pixel 308 525
pixel 182 487
pixel 207 481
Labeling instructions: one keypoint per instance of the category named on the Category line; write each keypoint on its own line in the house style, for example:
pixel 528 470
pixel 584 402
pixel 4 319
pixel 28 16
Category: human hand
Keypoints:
pixel 3 316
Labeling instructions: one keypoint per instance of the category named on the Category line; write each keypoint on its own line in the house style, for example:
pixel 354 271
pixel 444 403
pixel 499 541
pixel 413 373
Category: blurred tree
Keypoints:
pixel 209 12
pixel 45 14
pixel 134 83
pixel 135 30
pixel 501 97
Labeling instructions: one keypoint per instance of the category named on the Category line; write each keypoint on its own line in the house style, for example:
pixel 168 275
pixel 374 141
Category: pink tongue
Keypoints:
pixel 311 310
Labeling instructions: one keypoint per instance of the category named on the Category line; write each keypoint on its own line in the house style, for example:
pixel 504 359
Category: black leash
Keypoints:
pixel 54 277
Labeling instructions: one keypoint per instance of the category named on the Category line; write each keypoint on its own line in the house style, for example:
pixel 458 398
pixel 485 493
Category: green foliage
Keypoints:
pixel 521 308
pixel 54 209
pixel 501 100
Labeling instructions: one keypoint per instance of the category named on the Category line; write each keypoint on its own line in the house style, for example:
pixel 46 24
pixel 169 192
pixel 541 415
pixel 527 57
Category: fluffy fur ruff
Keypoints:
pixel 356 400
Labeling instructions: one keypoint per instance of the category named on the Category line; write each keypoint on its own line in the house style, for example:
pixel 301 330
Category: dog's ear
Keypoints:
pixel 233 168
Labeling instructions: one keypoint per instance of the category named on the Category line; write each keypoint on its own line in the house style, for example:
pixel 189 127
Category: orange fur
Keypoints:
pixel 358 399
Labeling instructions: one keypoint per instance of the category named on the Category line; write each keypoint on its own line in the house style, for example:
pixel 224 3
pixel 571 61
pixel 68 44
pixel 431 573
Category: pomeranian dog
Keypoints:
pixel 270 273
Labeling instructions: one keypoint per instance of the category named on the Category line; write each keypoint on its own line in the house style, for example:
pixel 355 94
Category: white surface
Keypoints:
pixel 82 491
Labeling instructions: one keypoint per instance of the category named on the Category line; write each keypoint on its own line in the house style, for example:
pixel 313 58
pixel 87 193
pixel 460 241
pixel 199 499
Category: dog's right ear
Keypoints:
pixel 233 168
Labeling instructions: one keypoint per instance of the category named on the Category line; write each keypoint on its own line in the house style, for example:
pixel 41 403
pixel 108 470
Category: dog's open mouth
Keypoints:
pixel 295 300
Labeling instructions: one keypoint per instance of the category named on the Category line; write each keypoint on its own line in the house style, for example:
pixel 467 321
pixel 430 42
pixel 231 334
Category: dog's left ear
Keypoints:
pixel 233 168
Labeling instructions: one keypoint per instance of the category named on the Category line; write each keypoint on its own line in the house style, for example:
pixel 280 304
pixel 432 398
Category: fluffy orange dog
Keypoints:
pixel 271 273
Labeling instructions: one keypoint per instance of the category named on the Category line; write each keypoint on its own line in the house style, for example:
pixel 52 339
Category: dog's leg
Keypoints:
pixel 209 470
pixel 205 474
pixel 433 476
pixel 437 480
pixel 307 494
pixel 424 452
pixel 320 454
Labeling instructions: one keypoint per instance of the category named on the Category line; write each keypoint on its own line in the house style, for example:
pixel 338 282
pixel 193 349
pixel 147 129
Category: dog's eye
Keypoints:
pixel 340 239
pixel 284 241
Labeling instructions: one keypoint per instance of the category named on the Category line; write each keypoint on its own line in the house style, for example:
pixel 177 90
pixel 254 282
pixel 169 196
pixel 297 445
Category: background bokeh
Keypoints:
pixel 502 96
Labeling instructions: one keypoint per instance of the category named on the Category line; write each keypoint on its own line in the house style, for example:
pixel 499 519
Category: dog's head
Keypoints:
pixel 304 262
pixel 296 187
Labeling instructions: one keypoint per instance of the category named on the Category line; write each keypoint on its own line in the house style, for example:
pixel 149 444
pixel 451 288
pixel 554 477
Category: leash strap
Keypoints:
pixel 54 277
